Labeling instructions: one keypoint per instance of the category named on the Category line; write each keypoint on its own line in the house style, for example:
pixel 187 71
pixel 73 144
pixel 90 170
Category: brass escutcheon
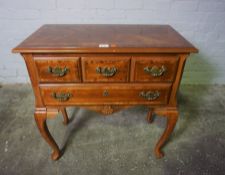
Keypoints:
pixel 105 93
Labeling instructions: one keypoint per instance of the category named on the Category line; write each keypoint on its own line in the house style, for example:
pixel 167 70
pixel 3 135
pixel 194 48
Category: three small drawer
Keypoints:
pixel 150 68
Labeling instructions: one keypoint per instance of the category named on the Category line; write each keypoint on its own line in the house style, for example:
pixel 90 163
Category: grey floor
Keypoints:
pixel 122 143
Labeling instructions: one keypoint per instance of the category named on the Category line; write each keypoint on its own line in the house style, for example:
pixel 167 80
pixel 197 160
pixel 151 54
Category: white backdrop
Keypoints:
pixel 202 22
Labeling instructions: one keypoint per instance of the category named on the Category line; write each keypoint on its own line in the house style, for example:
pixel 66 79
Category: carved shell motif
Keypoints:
pixel 106 110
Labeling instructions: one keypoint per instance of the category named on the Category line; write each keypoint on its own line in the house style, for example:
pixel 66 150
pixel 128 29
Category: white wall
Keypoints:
pixel 202 22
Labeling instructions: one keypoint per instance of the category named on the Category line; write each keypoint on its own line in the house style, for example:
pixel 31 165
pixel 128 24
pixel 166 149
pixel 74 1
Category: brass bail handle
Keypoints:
pixel 150 95
pixel 63 96
pixel 155 71
pixel 106 71
pixel 58 71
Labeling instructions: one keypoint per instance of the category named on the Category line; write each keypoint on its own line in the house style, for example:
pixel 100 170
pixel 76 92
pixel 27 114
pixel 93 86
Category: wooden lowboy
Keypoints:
pixel 105 68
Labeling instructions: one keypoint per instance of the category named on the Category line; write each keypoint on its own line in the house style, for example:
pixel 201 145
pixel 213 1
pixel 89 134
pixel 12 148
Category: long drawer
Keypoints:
pixel 86 94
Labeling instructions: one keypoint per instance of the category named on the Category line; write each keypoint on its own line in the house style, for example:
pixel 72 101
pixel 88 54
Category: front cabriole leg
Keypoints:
pixel 40 116
pixel 172 116
pixel 65 116
pixel 149 117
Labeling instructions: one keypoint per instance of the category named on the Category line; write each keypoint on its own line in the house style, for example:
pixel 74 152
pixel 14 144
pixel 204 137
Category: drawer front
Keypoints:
pixel 105 94
pixel 105 69
pixel 154 68
pixel 58 69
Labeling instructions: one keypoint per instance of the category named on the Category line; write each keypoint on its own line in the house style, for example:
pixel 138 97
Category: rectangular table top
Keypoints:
pixel 105 38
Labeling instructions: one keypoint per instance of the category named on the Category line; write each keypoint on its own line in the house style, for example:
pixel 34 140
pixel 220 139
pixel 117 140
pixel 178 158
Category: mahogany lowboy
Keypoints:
pixel 105 68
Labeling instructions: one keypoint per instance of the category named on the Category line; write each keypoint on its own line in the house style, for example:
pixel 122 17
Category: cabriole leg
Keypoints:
pixel 149 117
pixel 172 117
pixel 65 116
pixel 40 118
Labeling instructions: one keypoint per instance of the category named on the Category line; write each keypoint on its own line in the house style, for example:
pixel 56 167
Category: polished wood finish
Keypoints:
pixel 65 116
pixel 176 83
pixel 40 116
pixel 33 78
pixel 172 116
pixel 105 68
pixel 149 117
pixel 90 64
pixel 120 38
pixel 71 65
pixel 104 94
pixel 169 61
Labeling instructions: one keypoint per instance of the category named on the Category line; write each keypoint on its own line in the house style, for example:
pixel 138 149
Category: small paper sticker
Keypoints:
pixel 103 45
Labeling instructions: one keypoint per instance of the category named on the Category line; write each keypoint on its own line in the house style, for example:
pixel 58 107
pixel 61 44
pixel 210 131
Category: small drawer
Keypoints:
pixel 58 69
pixel 127 94
pixel 154 68
pixel 105 69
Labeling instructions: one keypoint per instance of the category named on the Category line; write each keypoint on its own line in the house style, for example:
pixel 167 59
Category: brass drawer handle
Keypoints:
pixel 106 71
pixel 57 71
pixel 155 71
pixel 61 96
pixel 149 95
